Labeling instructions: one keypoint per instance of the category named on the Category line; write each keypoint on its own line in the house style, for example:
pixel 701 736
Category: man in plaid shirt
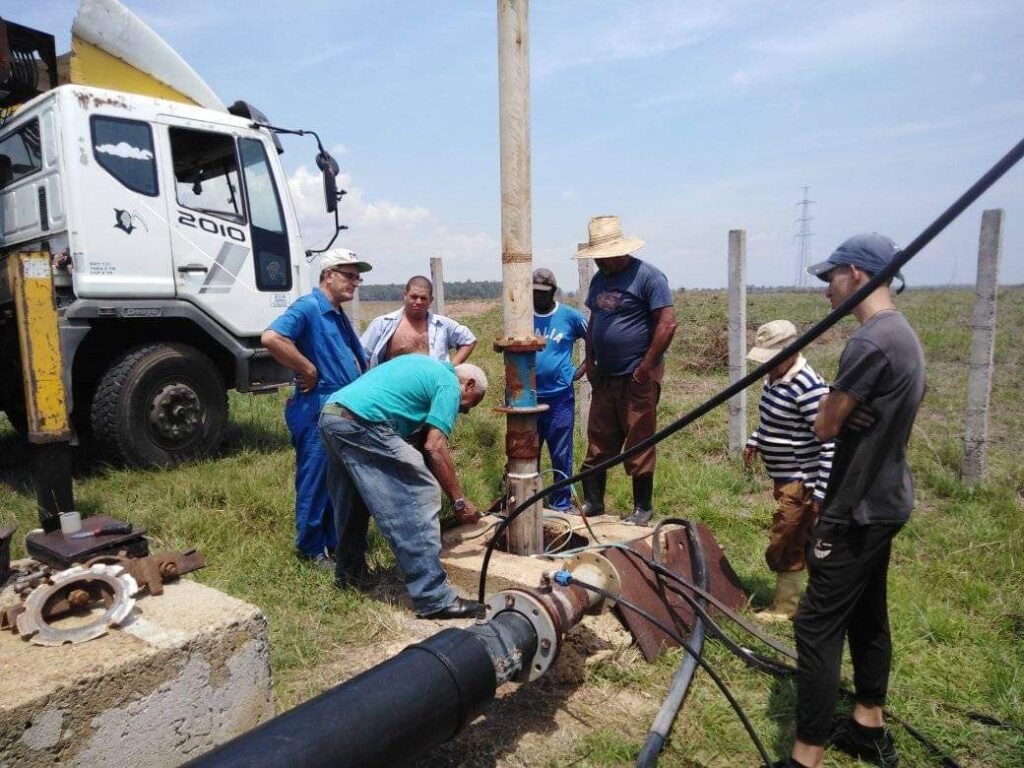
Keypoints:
pixel 798 463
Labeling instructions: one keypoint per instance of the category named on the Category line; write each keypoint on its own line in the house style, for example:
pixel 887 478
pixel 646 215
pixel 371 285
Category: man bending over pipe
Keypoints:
pixel 374 470
pixel 870 412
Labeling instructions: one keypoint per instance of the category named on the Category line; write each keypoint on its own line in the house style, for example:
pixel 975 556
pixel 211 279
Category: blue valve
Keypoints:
pixel 562 578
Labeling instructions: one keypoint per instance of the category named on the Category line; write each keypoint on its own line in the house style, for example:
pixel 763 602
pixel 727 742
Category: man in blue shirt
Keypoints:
pixel 632 322
pixel 561 326
pixel 367 428
pixel 315 339
pixel 415 329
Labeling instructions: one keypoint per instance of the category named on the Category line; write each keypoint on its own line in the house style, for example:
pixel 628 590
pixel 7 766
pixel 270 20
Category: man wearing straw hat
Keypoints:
pixel 631 325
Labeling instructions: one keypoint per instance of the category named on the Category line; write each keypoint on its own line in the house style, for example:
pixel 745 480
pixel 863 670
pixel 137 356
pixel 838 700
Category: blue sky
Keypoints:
pixel 687 119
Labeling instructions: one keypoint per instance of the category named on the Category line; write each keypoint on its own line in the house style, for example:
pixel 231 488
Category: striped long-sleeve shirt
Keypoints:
pixel 785 437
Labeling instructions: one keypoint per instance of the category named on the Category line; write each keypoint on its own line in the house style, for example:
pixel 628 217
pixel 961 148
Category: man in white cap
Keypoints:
pixel 632 322
pixel 315 339
pixel 798 463
pixel 869 411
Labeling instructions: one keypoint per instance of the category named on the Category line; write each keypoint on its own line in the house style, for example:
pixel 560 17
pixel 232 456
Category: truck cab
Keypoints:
pixel 174 244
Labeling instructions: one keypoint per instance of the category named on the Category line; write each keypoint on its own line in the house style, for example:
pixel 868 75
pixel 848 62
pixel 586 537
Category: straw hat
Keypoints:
pixel 607 240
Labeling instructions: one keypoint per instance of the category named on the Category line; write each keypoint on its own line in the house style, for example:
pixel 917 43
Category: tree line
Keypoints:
pixel 466 289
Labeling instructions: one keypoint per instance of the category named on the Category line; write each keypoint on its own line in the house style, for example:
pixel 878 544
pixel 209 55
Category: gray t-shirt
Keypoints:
pixel 622 315
pixel 882 367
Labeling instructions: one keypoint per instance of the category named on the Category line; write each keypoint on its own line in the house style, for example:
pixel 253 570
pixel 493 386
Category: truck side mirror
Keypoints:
pixel 329 168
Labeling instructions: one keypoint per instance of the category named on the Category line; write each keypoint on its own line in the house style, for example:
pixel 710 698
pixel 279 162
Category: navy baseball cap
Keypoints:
pixel 870 251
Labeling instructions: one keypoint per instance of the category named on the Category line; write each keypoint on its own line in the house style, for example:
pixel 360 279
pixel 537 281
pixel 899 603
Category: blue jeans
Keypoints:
pixel 314 518
pixel 373 471
pixel 555 427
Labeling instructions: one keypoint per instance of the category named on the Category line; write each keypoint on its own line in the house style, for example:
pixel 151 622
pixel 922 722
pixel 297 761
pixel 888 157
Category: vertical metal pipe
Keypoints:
pixel 525 534
pixel 737 336
pixel 979 381
pixel 437 278
pixel 514 130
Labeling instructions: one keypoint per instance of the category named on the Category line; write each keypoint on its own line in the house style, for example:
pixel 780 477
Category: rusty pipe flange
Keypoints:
pixel 521 344
pixel 545 623
pixel 596 569
pixel 111 579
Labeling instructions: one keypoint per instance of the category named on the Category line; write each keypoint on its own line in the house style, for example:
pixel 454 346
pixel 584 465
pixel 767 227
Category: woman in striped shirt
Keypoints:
pixel 797 462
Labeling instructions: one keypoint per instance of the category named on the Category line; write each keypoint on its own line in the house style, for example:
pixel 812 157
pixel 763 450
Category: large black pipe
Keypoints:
pixel 394 712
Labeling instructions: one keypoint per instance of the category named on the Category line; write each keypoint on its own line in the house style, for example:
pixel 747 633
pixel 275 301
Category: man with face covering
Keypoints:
pixel 632 322
pixel 562 326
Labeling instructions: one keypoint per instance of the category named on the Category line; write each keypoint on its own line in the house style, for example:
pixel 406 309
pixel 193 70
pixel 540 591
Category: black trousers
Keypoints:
pixel 846 597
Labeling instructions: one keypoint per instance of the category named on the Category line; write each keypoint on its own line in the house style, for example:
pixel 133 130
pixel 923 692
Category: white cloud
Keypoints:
pixel 629 29
pixel 397 239
pixel 873 30
pixel 125 150
pixel 739 78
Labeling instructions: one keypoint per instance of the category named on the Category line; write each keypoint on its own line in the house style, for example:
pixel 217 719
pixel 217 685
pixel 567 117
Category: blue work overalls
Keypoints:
pixel 325 336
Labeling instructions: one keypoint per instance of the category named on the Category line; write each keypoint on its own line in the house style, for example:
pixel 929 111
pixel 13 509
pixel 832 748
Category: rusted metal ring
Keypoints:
pixel 32 624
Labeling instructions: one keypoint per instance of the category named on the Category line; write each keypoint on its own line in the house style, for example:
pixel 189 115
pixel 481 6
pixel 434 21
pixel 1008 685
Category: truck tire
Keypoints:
pixel 158 406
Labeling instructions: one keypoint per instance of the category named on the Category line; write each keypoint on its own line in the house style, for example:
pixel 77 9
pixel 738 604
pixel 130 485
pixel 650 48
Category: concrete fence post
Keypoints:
pixel 737 336
pixel 983 339
pixel 437 278
pixel 586 271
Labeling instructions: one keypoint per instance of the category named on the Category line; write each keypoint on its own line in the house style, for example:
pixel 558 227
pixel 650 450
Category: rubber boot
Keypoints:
pixel 643 507
pixel 788 589
pixel 593 494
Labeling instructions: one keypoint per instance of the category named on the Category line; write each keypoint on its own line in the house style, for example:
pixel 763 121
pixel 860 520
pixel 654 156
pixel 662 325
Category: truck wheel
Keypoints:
pixel 160 405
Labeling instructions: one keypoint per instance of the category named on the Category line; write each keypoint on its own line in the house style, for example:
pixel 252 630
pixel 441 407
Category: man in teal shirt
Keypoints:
pixel 374 470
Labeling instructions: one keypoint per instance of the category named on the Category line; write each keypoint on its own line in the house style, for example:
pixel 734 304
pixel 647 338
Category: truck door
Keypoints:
pixel 228 235
pixel 120 236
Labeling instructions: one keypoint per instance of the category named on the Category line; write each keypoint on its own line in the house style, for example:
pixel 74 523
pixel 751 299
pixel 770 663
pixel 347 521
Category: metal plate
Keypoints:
pixel 641 586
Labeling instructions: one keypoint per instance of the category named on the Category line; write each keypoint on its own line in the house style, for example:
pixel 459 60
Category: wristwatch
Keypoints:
pixel 458 505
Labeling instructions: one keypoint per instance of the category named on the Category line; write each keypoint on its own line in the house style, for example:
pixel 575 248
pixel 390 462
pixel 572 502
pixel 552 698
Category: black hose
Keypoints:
pixel 930 232
pixel 701 662
pixel 676 696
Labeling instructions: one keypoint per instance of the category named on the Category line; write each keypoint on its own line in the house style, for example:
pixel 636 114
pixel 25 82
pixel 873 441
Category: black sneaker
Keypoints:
pixel 872 744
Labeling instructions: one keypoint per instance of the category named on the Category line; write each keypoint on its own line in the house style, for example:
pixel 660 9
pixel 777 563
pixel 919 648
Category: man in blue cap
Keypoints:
pixel 869 411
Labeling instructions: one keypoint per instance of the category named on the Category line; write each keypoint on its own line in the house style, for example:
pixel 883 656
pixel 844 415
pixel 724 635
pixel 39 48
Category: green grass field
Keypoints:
pixel 956 582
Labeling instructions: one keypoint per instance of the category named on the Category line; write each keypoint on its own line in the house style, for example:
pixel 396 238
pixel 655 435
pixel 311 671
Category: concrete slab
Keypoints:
pixel 463 551
pixel 190 670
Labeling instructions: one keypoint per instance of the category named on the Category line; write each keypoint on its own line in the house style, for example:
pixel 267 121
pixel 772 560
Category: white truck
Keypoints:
pixel 174 244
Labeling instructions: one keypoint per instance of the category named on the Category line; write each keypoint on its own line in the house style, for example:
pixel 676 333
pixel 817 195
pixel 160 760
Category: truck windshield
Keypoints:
pixel 206 173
